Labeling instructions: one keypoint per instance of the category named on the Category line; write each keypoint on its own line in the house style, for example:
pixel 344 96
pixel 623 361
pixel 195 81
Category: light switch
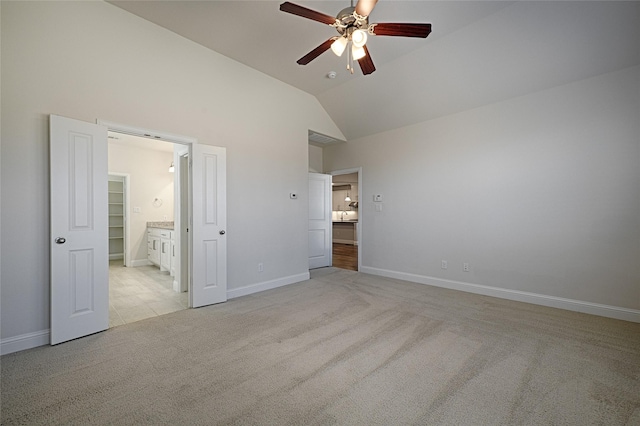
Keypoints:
pixel 137 210
pixel 378 207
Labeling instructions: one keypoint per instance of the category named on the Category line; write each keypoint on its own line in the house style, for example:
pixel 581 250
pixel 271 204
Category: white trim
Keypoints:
pixel 349 242
pixel 267 285
pixel 187 144
pixel 608 311
pixel 25 341
pixel 146 133
pixel 141 262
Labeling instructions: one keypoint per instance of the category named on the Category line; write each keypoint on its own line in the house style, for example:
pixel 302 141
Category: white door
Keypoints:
pixel 320 223
pixel 79 233
pixel 209 260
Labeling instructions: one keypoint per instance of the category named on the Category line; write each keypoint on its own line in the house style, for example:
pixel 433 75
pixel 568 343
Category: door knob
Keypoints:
pixel 60 240
pixel 223 232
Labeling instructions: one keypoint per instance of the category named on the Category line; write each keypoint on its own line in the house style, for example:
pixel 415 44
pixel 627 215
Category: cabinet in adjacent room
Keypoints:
pixel 165 250
pixel 153 245
pixel 160 248
pixel 116 217
pixel 345 233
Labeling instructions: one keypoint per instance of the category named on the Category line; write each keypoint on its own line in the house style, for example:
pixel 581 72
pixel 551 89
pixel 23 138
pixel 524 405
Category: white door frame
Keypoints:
pixel 184 141
pixel 360 215
pixel 181 159
pixel 187 142
pixel 182 213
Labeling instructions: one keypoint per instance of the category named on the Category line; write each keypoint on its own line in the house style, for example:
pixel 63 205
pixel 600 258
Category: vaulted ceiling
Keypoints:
pixel 479 52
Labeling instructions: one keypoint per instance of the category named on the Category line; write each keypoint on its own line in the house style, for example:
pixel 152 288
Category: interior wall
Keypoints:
pixel 92 60
pixel 149 180
pixel 315 159
pixel 539 194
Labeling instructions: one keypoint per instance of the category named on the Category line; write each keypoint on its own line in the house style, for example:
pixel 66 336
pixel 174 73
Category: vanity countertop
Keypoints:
pixel 161 225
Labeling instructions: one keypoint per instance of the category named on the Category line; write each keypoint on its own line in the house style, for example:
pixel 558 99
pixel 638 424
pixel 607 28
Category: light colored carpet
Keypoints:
pixel 342 348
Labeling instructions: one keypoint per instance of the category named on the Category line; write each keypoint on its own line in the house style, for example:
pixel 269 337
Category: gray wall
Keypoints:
pixel 539 194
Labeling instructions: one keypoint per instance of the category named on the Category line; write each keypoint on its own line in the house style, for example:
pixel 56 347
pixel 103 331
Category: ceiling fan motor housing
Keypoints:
pixel 348 21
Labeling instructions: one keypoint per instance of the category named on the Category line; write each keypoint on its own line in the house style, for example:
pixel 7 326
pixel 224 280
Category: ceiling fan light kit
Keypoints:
pixel 352 23
pixel 358 52
pixel 359 38
pixel 339 45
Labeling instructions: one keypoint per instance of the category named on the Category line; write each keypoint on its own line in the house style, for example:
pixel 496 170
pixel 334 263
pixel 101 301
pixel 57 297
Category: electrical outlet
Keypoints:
pixel 443 264
pixel 260 267
pixel 465 267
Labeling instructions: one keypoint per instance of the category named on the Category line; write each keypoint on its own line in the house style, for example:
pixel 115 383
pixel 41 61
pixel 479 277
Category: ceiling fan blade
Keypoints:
pixel 364 7
pixel 316 52
pixel 402 30
pixel 366 64
pixel 307 13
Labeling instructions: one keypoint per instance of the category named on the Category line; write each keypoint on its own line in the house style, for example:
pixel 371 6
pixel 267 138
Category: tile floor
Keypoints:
pixel 141 292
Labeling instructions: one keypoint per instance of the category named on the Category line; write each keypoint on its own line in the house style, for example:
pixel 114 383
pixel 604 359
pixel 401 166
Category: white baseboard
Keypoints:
pixel 24 341
pixel 608 311
pixel 266 285
pixel 339 241
pixel 140 262
pixel 40 338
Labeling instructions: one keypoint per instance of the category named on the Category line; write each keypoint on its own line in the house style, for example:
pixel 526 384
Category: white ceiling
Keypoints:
pixel 479 52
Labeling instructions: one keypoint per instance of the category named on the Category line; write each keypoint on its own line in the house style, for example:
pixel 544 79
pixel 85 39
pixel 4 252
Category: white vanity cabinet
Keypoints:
pixel 153 245
pixel 160 250
pixel 165 250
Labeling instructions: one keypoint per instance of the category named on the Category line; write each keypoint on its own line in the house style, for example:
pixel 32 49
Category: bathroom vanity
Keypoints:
pixel 161 245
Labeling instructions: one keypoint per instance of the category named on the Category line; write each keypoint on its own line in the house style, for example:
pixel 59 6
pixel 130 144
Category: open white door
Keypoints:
pixel 209 255
pixel 79 219
pixel 320 224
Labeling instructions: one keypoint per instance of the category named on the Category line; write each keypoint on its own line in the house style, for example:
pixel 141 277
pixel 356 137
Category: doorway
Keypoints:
pixel 346 218
pixel 79 224
pixel 144 196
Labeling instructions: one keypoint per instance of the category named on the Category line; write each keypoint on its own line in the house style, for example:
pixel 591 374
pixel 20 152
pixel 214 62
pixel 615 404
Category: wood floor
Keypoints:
pixel 345 256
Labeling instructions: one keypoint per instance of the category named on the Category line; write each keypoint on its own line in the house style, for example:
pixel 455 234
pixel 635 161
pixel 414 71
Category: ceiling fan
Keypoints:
pixel 352 23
